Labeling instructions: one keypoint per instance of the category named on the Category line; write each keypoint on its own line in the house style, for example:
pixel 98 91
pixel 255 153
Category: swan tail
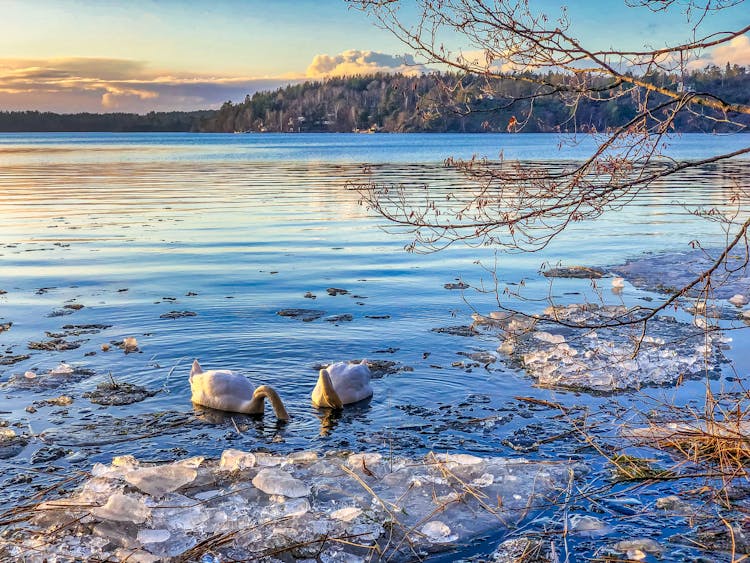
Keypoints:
pixel 324 394
pixel 195 370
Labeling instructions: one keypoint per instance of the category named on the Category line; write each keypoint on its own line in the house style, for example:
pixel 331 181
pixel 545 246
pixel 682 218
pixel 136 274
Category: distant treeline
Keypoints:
pixel 445 103
pixel 35 121
pixel 425 103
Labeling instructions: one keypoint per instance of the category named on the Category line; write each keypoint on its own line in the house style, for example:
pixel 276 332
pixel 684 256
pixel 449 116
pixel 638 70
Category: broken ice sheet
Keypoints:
pixel 302 501
pixel 602 360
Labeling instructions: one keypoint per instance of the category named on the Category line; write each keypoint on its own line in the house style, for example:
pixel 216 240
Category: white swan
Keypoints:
pixel 225 390
pixel 342 383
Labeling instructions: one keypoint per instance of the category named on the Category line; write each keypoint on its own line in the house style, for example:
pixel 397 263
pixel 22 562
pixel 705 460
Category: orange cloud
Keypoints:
pixel 736 51
pixel 96 84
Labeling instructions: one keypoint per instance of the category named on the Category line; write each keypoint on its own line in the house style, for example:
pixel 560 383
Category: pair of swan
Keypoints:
pixel 339 384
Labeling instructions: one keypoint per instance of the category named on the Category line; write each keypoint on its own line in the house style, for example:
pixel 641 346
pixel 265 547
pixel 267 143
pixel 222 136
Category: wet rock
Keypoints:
pixel 10 359
pixel 345 318
pixel 310 295
pixel 5 326
pixel 47 454
pixel 457 330
pixel 61 401
pixel 333 291
pixel 306 315
pixel 77 330
pixel 458 285
pixel 578 272
pixel 118 393
pixel 11 443
pixel 73 306
pixel 60 313
pixel 178 315
pixel 377 316
pixel 55 345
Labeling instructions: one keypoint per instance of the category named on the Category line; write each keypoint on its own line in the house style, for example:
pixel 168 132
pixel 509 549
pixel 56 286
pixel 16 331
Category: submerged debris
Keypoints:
pixel 259 506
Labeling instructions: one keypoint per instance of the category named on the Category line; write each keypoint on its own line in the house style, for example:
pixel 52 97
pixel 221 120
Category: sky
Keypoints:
pixel 160 55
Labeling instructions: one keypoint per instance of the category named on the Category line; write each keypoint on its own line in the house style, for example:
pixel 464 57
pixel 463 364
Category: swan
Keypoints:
pixel 225 390
pixel 342 383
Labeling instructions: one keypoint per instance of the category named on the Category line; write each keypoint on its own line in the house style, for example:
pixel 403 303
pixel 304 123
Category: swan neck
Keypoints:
pixel 264 391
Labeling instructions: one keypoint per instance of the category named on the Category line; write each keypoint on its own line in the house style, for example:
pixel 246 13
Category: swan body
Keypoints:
pixel 225 390
pixel 342 383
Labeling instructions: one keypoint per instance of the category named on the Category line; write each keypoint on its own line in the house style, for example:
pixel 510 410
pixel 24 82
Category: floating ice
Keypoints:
pixel 274 481
pixel 738 300
pixel 123 508
pixel 603 359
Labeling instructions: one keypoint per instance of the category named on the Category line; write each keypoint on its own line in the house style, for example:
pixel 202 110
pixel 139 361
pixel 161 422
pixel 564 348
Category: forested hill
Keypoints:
pixel 397 103
pixel 35 121
pixel 425 103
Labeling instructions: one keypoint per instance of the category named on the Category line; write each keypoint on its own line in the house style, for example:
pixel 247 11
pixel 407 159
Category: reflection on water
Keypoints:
pixel 145 226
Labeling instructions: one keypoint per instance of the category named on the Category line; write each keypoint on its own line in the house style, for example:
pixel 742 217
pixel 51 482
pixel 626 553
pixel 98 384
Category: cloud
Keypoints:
pixel 736 51
pixel 352 62
pixel 98 84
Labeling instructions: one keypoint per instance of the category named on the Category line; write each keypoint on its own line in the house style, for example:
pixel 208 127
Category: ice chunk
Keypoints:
pixel 235 460
pixel 290 508
pixel 274 481
pixel 62 370
pixel 152 536
pixel 460 459
pixel 346 514
pixel 159 480
pixel 302 457
pixel 549 337
pixel 438 532
pixel 738 300
pixel 137 556
pixel 123 508
pixel 588 525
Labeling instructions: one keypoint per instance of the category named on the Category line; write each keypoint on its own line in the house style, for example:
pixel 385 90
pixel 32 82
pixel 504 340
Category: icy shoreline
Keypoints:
pixel 337 507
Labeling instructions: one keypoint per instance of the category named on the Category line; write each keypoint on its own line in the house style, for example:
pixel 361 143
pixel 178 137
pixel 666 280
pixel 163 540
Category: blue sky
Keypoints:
pixel 142 55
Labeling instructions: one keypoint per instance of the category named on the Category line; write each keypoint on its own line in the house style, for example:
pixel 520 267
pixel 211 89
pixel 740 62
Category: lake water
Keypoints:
pixel 236 228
